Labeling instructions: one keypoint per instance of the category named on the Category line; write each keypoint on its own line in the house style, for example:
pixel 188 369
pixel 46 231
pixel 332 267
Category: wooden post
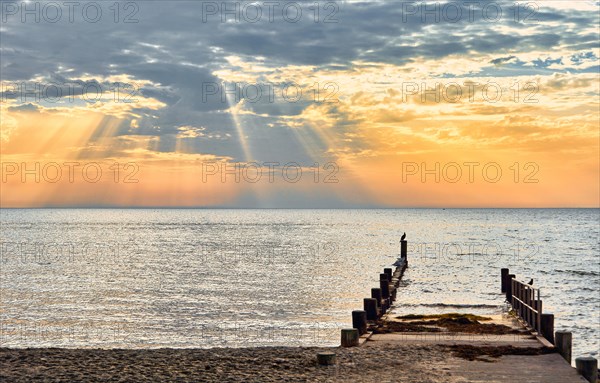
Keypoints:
pixel 520 296
pixel 384 285
pixel 521 291
pixel 531 299
pixel 517 295
pixel 503 279
pixel 359 321
pixel 385 304
pixel 587 366
pixel 525 301
pixel 528 312
pixel 404 250
pixel 548 327
pixel 526 290
pixel 376 293
pixel 326 358
pixel 370 305
pixel 537 304
pixel 393 290
pixel 388 271
pixel 509 287
pixel 349 337
pixel 564 344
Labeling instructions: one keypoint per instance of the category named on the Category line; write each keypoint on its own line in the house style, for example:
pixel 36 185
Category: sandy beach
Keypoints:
pixel 452 348
pixel 268 364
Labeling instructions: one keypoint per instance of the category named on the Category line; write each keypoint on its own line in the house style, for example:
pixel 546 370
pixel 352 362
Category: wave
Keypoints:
pixel 580 272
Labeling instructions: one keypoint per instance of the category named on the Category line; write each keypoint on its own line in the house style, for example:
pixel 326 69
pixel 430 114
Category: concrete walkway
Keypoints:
pixel 546 368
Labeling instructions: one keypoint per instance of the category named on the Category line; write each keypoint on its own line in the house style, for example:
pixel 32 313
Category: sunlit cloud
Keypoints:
pixel 367 97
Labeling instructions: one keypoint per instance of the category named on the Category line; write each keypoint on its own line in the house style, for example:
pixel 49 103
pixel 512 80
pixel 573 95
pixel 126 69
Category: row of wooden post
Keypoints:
pixel 380 301
pixel 523 299
pixel 562 340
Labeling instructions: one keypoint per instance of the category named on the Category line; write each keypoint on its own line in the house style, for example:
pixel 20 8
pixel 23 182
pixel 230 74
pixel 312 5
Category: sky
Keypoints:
pixel 291 104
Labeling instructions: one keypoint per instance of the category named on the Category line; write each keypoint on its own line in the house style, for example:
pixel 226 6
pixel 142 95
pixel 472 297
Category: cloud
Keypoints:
pixel 503 60
pixel 175 57
pixel 29 107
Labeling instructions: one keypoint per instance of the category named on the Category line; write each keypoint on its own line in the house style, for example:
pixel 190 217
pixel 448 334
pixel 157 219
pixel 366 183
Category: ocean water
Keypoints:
pixel 143 278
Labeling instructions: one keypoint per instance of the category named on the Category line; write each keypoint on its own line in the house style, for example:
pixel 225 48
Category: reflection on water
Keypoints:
pixel 206 278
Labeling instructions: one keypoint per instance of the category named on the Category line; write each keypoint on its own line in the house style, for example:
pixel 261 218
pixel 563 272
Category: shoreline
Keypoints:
pixel 451 348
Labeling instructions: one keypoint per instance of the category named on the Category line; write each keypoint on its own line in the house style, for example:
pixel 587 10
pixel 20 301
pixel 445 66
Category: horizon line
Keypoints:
pixel 294 208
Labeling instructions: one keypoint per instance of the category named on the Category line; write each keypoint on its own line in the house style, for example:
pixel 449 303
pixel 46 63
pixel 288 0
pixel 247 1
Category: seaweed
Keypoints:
pixel 482 353
pixel 442 316
pixel 452 322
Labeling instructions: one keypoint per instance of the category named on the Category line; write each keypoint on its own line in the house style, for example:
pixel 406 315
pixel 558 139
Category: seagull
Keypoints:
pixel 403 236
pixel 531 282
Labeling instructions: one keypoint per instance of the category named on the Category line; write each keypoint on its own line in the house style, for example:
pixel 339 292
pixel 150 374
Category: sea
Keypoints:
pixel 204 278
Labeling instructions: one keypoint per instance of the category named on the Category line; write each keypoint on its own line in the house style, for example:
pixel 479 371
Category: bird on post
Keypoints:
pixel 403 237
pixel 530 282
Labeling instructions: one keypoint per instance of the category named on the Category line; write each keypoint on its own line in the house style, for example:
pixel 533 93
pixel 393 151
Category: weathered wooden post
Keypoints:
pixel 509 288
pixel 587 366
pixel 521 291
pixel 548 327
pixel 564 344
pixel 388 271
pixel 404 249
pixel 349 337
pixel 537 305
pixel 359 321
pixel 384 285
pixel 531 313
pixel 526 290
pixel 523 295
pixel 326 358
pixel 517 295
pixel 528 312
pixel 503 279
pixel 370 305
pixel 376 293
pixel 385 305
